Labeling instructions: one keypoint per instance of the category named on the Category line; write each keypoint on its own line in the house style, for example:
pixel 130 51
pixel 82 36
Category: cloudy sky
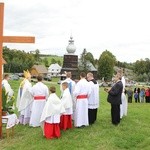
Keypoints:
pixel 120 26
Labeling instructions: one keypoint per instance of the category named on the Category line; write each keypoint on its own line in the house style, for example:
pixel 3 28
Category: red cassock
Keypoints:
pixel 65 122
pixel 51 130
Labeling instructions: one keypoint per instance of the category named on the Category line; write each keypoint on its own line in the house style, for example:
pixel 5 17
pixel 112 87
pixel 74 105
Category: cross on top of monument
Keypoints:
pixel 8 39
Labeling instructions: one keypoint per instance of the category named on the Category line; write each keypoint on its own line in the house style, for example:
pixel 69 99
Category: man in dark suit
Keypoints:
pixel 114 98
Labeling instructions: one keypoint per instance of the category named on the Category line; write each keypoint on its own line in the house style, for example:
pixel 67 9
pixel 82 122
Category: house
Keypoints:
pixel 89 66
pixel 38 70
pixel 54 70
pixel 3 62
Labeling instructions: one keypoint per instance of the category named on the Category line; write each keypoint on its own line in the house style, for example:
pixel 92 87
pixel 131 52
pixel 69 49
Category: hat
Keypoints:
pixel 26 74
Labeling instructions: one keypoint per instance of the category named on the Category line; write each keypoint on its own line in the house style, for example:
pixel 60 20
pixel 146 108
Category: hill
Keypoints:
pixel 128 73
pixel 51 58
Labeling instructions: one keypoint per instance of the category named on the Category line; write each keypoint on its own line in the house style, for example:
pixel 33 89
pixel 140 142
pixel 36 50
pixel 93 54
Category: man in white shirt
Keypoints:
pixel 40 94
pixel 93 100
pixel 7 86
pixel 82 92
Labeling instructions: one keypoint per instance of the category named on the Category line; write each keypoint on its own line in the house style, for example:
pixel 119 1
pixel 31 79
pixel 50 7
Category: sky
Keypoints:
pixel 120 26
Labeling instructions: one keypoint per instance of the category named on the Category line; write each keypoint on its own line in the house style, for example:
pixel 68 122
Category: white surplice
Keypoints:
pixel 38 90
pixel 124 105
pixel 69 80
pixel 66 101
pixel 81 111
pixel 24 102
pixel 52 109
pixel 8 88
pixel 93 99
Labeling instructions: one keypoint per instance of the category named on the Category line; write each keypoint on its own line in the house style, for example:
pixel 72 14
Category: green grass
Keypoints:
pixel 133 133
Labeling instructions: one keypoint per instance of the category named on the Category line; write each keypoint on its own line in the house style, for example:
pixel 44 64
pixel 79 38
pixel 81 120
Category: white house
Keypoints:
pixel 54 70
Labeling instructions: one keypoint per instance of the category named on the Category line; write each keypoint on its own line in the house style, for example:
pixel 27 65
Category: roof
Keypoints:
pixel 54 66
pixel 89 66
pixel 40 68
pixel 3 61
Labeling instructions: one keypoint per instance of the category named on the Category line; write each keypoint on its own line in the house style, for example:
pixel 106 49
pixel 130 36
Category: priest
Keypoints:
pixel 24 99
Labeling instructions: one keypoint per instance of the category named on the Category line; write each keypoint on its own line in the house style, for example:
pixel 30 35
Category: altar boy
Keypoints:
pixel 66 100
pixel 50 118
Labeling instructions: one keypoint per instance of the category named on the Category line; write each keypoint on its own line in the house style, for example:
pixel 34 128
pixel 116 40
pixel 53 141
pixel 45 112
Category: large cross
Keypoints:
pixel 8 39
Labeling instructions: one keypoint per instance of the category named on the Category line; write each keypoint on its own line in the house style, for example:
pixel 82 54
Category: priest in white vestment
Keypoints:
pixel 82 92
pixel 124 105
pixel 93 100
pixel 7 86
pixel 24 99
pixel 50 117
pixel 66 100
pixel 40 94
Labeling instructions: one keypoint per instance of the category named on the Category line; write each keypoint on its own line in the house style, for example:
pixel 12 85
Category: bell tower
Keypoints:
pixel 70 60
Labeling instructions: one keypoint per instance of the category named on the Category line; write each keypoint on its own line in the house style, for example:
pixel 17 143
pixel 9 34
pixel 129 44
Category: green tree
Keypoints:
pixel 45 60
pixel 139 67
pixel 17 60
pixel 83 66
pixel 53 61
pixel 59 62
pixel 89 57
pixel 105 65
pixel 142 69
pixel 37 56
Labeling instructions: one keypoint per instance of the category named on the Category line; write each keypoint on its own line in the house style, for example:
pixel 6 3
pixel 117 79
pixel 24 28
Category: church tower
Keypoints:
pixel 70 60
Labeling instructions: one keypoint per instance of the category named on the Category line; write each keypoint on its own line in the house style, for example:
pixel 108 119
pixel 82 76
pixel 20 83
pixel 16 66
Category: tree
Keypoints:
pixel 105 65
pixel 17 60
pixel 59 62
pixel 89 57
pixel 53 61
pixel 37 56
pixel 142 69
pixel 45 60
pixel 83 62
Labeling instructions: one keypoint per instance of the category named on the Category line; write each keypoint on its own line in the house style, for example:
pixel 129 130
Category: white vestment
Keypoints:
pixel 52 110
pixel 52 107
pixel 82 89
pixel 40 94
pixel 124 105
pixel 24 102
pixel 66 101
pixel 93 99
pixel 70 81
pixel 8 88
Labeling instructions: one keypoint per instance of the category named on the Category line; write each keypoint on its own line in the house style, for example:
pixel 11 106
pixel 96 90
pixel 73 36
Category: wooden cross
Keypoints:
pixel 8 39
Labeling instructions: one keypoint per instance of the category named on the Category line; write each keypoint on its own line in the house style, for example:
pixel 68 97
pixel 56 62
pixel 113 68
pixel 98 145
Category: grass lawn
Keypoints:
pixel 132 133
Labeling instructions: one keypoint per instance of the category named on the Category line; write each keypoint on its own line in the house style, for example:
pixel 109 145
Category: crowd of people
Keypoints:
pixel 140 95
pixel 77 106
pixel 39 105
